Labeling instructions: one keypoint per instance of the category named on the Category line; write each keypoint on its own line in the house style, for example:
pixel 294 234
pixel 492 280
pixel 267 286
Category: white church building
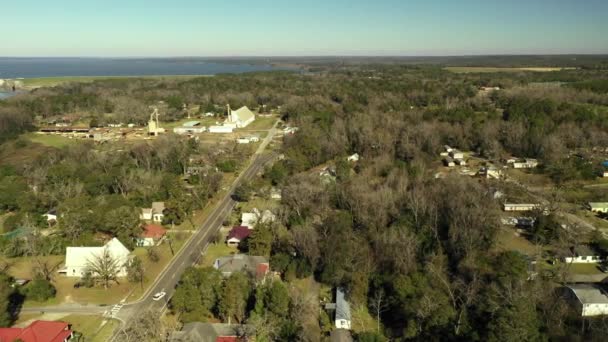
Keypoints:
pixel 78 259
pixel 239 118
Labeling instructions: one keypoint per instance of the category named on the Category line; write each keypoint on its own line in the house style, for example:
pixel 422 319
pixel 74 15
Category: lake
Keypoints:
pixel 57 67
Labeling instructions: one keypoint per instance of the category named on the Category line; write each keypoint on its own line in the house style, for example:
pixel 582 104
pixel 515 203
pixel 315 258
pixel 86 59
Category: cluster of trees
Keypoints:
pixel 203 295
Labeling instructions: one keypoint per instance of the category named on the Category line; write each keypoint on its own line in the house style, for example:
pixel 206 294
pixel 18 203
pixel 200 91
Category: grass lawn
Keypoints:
pixel 584 269
pixel 362 320
pixel 216 250
pixel 507 240
pixel 460 70
pixel 259 203
pixel 51 140
pixel 260 123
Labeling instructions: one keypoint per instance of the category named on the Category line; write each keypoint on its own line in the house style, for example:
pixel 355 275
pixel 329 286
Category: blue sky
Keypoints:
pixel 314 27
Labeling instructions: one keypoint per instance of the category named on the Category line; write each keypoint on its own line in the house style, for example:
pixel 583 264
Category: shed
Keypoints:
pixel 590 300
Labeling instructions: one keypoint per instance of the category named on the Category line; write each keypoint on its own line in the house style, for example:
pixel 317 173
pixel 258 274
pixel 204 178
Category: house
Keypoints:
pixel 275 194
pixel 583 255
pixel 77 259
pixel 211 332
pixel 353 158
pixel 604 173
pixel 153 214
pixel 151 234
pixel 51 216
pixel 220 129
pixel 242 141
pixel 190 127
pixel 239 118
pixel 38 331
pixel 251 219
pixel 343 317
pixel 490 172
pixel 256 266
pixel 527 163
pixel 598 207
pixel 236 235
pixel 589 299
pixel 520 207
pixel 456 154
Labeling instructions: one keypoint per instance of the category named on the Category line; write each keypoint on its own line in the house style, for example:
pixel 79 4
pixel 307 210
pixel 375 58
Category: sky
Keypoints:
pixel 137 28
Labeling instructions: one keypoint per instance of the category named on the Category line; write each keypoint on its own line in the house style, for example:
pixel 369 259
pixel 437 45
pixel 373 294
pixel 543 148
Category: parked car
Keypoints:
pixel 159 295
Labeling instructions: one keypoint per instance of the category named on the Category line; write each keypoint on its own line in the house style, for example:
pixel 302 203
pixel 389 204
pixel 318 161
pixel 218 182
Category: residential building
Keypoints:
pixel 236 235
pixel 78 259
pixel 353 158
pixel 190 127
pixel 527 163
pixel 256 266
pixel 456 154
pixel 583 254
pixel 598 207
pixel 51 216
pixel 343 317
pixel 520 206
pixel 38 331
pixel 151 235
pixel 239 118
pixel 589 299
pixel 251 219
pixel 212 332
pixel 153 214
pixel 490 172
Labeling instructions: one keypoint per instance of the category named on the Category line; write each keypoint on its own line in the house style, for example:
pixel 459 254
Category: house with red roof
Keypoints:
pixel 38 331
pixel 236 235
pixel 150 235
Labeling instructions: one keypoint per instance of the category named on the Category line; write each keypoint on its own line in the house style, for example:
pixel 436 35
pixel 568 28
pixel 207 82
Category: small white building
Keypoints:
pixel 78 259
pixel 520 206
pixel 590 299
pixel 190 127
pixel 527 163
pixel 250 220
pixel 220 129
pixel 343 316
pixel 242 141
pixel 275 194
pixel 51 216
pixel 353 158
pixel 490 172
pixel 583 255
pixel 449 162
pixel 598 207
pixel 456 154
pixel 604 173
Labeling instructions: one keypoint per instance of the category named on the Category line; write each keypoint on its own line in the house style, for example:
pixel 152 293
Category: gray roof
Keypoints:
pixel 208 332
pixel 589 294
pixel 239 262
pixel 342 306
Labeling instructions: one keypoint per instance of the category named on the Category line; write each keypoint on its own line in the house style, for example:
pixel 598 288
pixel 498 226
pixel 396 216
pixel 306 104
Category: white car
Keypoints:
pixel 159 295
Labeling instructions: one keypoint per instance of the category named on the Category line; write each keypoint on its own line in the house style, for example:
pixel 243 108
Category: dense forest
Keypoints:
pixel 417 251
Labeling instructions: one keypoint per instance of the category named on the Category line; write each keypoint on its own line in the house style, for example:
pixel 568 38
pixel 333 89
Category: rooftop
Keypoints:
pixel 589 294
pixel 191 123
pixel 241 262
pixel 342 305
pixel 37 331
pixel 153 231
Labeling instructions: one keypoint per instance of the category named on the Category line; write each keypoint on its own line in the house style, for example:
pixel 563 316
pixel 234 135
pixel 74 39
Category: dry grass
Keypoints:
pixel 508 240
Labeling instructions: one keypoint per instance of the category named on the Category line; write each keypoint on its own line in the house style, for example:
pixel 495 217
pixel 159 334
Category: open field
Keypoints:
pixel 51 140
pixel 54 81
pixel 461 70
pixel 508 240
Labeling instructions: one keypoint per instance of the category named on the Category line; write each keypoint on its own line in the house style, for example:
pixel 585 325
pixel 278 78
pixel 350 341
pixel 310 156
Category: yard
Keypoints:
pixel 260 123
pixel 92 327
pixel 508 240
pixel 66 293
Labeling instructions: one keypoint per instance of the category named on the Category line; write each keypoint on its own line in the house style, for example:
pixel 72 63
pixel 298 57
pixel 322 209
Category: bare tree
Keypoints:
pixel 378 305
pixel 105 268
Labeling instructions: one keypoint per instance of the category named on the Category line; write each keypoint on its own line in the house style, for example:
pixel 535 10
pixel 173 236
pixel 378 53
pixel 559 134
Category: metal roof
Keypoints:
pixel 342 306
pixel 589 294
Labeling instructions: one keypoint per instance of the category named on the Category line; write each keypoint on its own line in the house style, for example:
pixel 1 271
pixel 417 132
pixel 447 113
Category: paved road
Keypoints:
pixel 195 246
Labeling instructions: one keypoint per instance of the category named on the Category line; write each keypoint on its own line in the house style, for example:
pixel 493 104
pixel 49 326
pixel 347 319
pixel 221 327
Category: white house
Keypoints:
pixel 153 214
pixel 527 163
pixel 490 172
pixel 590 300
pixel 343 317
pixel 240 118
pixel 598 207
pixel 583 255
pixel 51 216
pixel 251 219
pixel 353 158
pixel 78 259
pixel 604 173
pixel 520 206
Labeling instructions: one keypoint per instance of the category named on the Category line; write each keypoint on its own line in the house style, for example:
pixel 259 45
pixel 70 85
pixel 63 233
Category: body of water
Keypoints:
pixel 4 95
pixel 58 67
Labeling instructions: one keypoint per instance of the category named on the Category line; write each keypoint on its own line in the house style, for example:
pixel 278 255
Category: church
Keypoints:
pixel 239 118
